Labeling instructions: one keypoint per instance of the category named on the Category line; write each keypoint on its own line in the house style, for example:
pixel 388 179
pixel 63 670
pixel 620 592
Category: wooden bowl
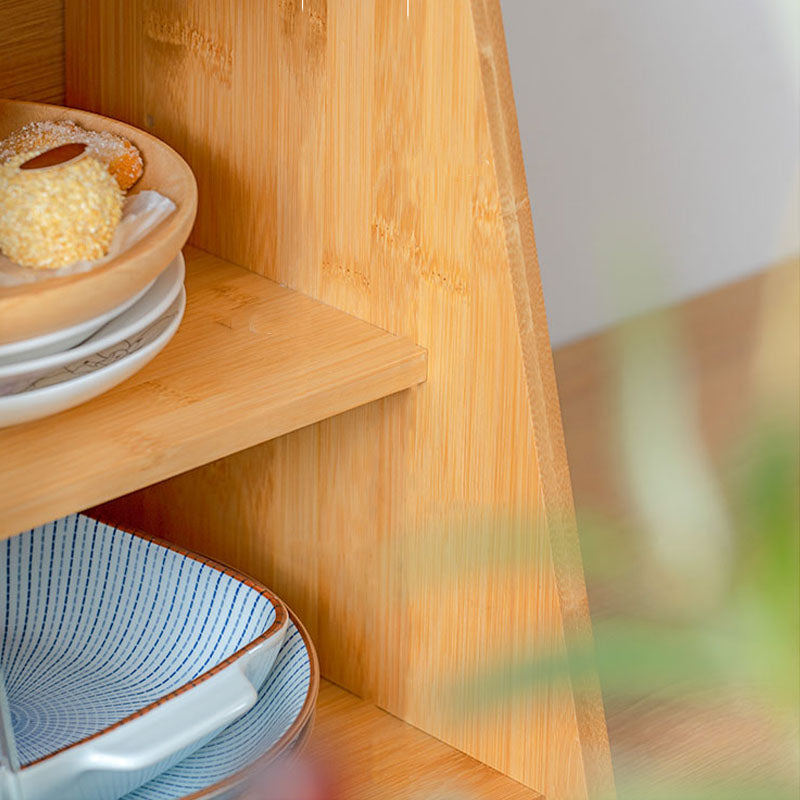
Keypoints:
pixel 34 309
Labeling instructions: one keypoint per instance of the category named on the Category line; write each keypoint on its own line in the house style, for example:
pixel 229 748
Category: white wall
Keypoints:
pixel 661 143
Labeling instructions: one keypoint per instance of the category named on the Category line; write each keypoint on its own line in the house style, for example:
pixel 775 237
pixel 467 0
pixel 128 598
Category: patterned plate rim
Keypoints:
pixel 281 618
pixel 287 740
pixel 100 339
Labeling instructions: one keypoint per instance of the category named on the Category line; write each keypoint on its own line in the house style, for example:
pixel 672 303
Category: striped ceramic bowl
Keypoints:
pixel 123 655
pixel 239 761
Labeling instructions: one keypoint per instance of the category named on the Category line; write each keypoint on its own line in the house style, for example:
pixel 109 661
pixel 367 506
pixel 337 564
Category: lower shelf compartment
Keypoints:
pixel 377 756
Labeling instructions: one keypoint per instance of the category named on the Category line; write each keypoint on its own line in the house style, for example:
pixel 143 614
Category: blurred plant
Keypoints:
pixel 711 568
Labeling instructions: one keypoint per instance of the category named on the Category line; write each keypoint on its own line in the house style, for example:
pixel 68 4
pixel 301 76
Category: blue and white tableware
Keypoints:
pixel 238 757
pixel 123 655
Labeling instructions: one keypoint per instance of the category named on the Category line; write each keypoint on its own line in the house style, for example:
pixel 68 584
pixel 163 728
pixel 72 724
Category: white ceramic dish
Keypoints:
pixel 237 760
pixel 123 655
pixel 64 339
pixel 155 302
pixel 70 385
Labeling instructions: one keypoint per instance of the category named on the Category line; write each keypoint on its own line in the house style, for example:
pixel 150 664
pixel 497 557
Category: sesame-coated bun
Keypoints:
pixel 52 217
pixel 121 157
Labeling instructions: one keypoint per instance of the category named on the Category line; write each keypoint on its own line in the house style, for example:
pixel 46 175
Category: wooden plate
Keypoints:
pixel 37 308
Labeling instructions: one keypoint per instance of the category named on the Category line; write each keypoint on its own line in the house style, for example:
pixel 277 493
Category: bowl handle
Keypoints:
pixel 159 738
pixel 182 721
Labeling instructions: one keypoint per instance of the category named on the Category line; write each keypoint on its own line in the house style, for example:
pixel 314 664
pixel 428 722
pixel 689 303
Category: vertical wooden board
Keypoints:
pixel 32 50
pixel 523 267
pixel 344 148
pixel 103 58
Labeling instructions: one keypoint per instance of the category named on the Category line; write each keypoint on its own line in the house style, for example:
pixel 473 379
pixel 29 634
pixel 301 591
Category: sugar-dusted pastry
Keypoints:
pixel 121 157
pixel 57 207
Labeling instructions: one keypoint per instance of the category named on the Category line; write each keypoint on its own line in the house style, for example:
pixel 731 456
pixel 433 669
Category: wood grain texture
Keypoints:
pixel 541 384
pixel 375 755
pixel 345 149
pixel 41 307
pixel 32 50
pixel 251 361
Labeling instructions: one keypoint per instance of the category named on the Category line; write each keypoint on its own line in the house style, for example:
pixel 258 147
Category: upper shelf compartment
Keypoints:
pixel 251 361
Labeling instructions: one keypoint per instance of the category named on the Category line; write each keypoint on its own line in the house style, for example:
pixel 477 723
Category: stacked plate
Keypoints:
pixel 67 335
pixel 58 370
pixel 139 670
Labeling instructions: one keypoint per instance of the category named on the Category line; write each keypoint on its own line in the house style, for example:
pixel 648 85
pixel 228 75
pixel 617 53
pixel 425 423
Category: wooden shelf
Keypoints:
pixel 251 361
pixel 378 756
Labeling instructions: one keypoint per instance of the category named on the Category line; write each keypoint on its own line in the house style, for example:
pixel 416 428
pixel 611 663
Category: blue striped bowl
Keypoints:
pixel 242 753
pixel 123 655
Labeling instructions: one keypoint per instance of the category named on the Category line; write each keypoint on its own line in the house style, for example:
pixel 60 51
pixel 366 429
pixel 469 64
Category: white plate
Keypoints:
pixel 155 301
pixel 56 341
pixel 75 383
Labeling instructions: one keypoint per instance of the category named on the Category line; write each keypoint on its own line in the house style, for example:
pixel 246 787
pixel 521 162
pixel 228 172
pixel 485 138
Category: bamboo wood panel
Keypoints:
pixel 386 758
pixel 251 361
pixel 537 357
pixel 32 50
pixel 345 149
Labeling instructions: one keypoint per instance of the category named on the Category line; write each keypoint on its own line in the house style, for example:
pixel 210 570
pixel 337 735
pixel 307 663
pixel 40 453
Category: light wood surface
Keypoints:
pixel 375 756
pixel 541 385
pixel 727 741
pixel 34 309
pixel 355 151
pixel 251 361
pixel 32 50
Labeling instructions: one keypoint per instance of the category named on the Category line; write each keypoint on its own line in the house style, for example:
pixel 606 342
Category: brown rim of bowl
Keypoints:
pixel 296 729
pixel 281 619
pixel 296 748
